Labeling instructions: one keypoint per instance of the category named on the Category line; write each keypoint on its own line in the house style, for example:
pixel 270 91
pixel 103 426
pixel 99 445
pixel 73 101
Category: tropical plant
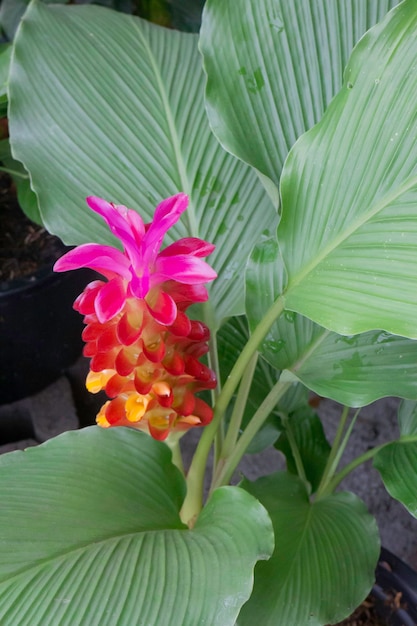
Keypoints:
pixel 291 140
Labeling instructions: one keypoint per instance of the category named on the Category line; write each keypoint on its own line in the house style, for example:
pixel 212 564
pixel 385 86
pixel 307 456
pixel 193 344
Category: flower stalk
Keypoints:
pixel 226 469
pixel 339 445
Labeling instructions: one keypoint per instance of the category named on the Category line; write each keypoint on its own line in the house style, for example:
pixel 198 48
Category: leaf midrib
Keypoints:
pixel 309 351
pixel 379 206
pixel 80 548
pixel 287 579
pixel 189 216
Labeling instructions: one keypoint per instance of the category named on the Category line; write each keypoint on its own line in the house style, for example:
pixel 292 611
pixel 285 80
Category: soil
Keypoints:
pixel 24 246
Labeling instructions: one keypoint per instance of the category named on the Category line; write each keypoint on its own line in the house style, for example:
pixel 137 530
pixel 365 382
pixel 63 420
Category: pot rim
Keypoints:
pixel 393 577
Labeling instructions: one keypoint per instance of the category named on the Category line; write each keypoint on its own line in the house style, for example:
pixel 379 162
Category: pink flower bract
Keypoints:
pixel 141 266
pixel 145 352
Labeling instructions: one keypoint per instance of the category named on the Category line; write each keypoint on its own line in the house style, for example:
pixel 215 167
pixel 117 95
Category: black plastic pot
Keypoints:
pixel 40 333
pixel 395 591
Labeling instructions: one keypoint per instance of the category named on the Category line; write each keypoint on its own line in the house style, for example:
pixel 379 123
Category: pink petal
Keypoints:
pixel 167 213
pixel 137 225
pixel 140 285
pixel 105 259
pixel 129 229
pixel 184 269
pixel 110 300
pixel 112 215
pixel 189 245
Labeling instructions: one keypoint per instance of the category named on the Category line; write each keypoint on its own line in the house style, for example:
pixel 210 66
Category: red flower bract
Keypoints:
pixel 145 352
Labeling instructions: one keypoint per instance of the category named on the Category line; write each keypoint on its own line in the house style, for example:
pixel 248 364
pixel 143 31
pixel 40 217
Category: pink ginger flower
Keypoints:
pixel 145 351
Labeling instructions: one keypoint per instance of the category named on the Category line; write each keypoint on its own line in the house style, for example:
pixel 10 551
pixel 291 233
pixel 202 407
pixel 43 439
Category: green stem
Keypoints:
pixel 295 452
pixel 177 456
pixel 225 471
pixel 334 449
pixel 366 456
pixel 239 408
pixel 213 361
pixel 339 446
pixel 194 499
pixel 14 173
pixel 369 454
pixel 243 359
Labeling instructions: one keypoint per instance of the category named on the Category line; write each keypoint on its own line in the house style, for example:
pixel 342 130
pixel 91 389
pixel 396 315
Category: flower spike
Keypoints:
pixel 144 349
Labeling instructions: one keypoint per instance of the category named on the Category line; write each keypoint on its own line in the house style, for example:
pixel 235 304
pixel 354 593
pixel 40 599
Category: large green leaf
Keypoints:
pixel 349 193
pixel 397 462
pixel 90 534
pixel 324 560
pixel 349 186
pixel 354 370
pixel 273 67
pixel 107 104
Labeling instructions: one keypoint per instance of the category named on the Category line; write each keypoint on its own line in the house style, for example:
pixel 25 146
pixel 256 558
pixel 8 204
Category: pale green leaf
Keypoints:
pixel 348 229
pixel 407 418
pixel 397 462
pixel 353 370
pixel 348 232
pixel 90 534
pixel 309 580
pixel 273 67
pixel 107 104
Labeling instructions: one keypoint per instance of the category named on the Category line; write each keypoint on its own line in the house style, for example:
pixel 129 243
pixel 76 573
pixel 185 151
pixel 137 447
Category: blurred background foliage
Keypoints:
pixel 179 14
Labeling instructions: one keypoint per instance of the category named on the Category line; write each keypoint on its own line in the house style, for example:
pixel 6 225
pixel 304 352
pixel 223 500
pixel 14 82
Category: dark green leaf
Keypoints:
pixel 26 197
pixel 5 56
pixel 90 534
pixel 397 462
pixel 309 580
pixel 307 432
pixel 186 14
